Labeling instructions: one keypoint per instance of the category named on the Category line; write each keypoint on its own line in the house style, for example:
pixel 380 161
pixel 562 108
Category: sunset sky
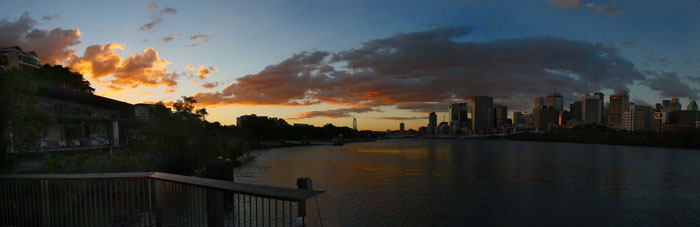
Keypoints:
pixel 383 62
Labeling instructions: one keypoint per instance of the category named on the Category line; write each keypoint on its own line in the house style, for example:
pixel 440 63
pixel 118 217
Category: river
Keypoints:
pixel 413 182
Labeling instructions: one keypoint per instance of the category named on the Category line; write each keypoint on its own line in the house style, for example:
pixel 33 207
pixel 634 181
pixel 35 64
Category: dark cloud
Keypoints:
pixel 336 113
pixel 202 37
pixel 669 84
pixel 610 9
pixel 401 118
pixel 52 46
pixel 156 17
pixel 51 17
pixel 425 71
pixel 168 38
pixel 209 85
pixel 566 4
pixel 423 107
pixel 198 38
pixel 629 42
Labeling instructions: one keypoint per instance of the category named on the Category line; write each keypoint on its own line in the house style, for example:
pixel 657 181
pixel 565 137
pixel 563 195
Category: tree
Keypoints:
pixel 58 75
pixel 21 123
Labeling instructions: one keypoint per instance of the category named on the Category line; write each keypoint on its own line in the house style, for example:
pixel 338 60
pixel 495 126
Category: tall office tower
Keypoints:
pixel 539 102
pixel 458 115
pixel 402 127
pixel 354 123
pixel 544 116
pixel 501 115
pixel 675 104
pixel 619 103
pixel 518 118
pixel 592 108
pixel 482 114
pixel 432 122
pixel 637 118
pixel 556 101
pixel 575 111
pixel 692 105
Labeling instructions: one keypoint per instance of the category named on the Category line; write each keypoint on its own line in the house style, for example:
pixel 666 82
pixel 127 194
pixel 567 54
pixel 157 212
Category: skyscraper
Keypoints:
pixel 556 101
pixel 354 123
pixel 692 105
pixel 539 102
pixel 575 111
pixel 432 122
pixel 458 115
pixel 482 114
pixel 619 103
pixel 402 127
pixel 592 108
pixel 544 116
pixel 637 118
pixel 518 118
pixel 501 115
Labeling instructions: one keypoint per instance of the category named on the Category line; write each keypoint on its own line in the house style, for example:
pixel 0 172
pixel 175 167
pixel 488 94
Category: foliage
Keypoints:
pixel 58 75
pixel 21 124
pixel 93 163
pixel 180 142
pixel 259 129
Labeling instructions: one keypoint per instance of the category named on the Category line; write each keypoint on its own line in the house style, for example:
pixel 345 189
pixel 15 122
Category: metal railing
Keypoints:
pixel 149 199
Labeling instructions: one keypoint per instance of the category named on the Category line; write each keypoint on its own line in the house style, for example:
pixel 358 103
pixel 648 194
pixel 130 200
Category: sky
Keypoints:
pixel 382 62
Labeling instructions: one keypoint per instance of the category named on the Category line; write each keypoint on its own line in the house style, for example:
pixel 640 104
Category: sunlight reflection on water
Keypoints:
pixel 455 183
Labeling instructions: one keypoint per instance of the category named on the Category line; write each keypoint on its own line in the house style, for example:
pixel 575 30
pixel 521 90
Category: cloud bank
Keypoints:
pixel 52 46
pixel 424 71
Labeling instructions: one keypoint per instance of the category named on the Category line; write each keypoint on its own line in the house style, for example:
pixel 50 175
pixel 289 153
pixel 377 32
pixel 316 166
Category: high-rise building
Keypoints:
pixel 545 116
pixel 539 102
pixel 518 118
pixel 458 116
pixel 501 115
pixel 619 103
pixel 592 108
pixel 675 104
pixel 575 111
pixel 432 122
pixel 692 105
pixel 637 118
pixel 482 114
pixel 556 101
pixel 402 127
pixel 354 123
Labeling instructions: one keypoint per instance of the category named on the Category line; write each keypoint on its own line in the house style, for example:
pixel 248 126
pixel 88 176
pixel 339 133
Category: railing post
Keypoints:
pixel 215 208
pixel 45 203
pixel 222 170
pixel 303 183
pixel 156 202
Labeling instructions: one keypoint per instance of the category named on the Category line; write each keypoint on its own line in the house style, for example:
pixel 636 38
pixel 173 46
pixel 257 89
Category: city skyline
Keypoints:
pixel 164 50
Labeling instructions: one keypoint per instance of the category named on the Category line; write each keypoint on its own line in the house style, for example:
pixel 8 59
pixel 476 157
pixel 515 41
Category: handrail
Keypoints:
pixel 280 193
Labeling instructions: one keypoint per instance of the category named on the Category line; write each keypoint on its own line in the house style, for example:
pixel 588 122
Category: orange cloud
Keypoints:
pixel 52 46
pixel 146 69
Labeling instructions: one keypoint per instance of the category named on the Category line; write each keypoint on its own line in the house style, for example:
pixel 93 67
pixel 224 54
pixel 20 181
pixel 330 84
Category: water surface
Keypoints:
pixel 485 183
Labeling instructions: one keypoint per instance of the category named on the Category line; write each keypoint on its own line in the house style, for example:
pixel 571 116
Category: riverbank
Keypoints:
pixel 686 139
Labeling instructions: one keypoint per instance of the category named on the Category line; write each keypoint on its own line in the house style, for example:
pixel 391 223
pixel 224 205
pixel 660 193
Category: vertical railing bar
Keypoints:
pixel 85 197
pixel 93 203
pixel 20 185
pixel 150 202
pixel 112 205
pixel 127 211
pixel 12 195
